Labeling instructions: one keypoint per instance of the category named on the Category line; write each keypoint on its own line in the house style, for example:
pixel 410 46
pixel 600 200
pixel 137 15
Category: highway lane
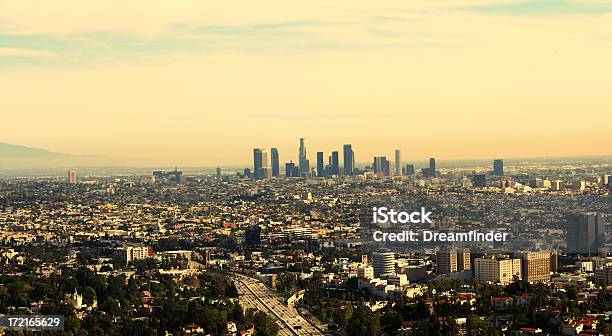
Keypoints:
pixel 249 300
pixel 254 294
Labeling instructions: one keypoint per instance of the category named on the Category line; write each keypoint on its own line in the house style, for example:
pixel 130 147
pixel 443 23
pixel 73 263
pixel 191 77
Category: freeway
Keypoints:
pixel 254 294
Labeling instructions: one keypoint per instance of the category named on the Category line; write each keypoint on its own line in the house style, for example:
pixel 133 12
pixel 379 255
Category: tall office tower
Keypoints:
pixel 398 163
pixel 585 233
pixel 463 260
pixel 387 168
pixel 349 159
pixel 72 179
pixel 275 162
pixel 266 170
pixel 490 269
pixel 432 167
pixel 381 166
pixel 383 262
pixel 320 165
pixel 535 266
pixel 479 180
pixel 446 261
pixel 291 170
pixel 409 169
pixel 257 164
pixel 247 173
pixel 218 172
pixel 303 163
pixel 498 167
pixel 335 164
pixel 302 153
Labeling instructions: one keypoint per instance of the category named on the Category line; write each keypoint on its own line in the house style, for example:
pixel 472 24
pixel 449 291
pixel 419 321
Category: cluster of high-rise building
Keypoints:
pixel 431 170
pixel 263 168
pixel 175 176
pixel 496 268
pixel 459 263
pixel 268 165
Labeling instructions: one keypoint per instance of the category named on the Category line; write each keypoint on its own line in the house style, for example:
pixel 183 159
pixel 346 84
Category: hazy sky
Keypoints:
pixel 203 82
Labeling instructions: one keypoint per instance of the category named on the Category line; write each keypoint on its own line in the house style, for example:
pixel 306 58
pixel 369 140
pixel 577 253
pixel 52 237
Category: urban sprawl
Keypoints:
pixel 268 251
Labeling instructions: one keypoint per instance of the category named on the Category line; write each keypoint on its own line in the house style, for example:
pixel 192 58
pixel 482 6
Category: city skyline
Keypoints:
pixel 33 160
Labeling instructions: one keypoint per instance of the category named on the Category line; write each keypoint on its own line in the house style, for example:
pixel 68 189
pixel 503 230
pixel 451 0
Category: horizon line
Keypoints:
pixel 358 163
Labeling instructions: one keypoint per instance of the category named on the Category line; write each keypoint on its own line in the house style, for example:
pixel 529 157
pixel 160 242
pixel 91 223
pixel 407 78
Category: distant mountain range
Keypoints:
pixel 21 157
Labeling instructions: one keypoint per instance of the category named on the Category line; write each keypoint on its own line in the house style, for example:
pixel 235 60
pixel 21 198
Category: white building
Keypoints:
pixel 127 254
pixel 399 280
pixel 365 272
pixel 491 269
pixel 584 266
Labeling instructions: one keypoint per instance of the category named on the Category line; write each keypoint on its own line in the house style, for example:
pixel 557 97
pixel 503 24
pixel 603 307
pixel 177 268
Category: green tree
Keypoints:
pixel 391 321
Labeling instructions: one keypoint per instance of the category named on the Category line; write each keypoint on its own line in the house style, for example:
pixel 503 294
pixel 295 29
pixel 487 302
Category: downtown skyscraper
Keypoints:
pixel 275 162
pixel 334 164
pixel 291 170
pixel 303 163
pixel 431 170
pixel 320 165
pixel 498 167
pixel 349 159
pixel 585 233
pixel 381 166
pixel 398 162
pixel 409 170
pixel 432 166
pixel 257 163
pixel 261 165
